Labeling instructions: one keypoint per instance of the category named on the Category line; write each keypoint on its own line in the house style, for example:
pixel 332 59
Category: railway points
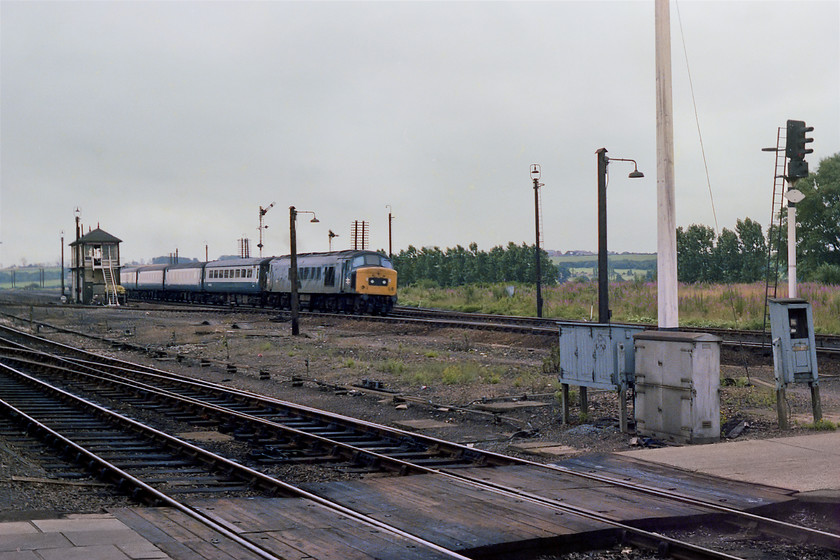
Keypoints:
pixel 379 490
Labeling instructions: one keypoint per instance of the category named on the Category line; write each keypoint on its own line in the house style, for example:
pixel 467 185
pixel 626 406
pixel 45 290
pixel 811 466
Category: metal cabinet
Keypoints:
pixel 678 386
pixel 597 355
pixel 795 351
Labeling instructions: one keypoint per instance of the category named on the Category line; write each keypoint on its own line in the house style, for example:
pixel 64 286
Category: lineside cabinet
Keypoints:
pixel 678 386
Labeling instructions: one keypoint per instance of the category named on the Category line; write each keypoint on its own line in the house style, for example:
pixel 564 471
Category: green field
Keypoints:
pixel 738 306
pixel 628 266
pixel 31 277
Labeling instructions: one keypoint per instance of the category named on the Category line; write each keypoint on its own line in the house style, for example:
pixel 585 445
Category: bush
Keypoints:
pixel 827 274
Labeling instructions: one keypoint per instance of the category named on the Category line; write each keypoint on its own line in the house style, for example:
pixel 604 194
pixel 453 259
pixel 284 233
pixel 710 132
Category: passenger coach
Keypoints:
pixel 349 281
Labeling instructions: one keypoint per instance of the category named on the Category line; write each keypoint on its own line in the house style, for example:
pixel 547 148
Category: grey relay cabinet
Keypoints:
pixel 596 355
pixel 678 386
pixel 794 352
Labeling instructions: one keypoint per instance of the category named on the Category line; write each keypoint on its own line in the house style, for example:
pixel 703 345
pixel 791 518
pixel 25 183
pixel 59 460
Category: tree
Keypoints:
pixel 727 256
pixel 458 266
pixel 695 250
pixel 753 251
pixel 818 217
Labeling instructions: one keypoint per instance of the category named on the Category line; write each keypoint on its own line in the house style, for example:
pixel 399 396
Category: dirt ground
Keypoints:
pixel 485 388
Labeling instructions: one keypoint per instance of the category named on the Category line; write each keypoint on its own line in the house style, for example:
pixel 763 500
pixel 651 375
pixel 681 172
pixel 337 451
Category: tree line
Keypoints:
pixel 744 255
pixel 739 255
pixel 457 266
pixel 732 256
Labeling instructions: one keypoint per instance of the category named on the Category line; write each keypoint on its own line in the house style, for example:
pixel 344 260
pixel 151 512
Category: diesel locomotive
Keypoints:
pixel 341 281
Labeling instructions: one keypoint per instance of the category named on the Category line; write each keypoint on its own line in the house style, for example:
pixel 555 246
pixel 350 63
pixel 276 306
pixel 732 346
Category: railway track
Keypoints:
pixel 827 345
pixel 152 466
pixel 277 432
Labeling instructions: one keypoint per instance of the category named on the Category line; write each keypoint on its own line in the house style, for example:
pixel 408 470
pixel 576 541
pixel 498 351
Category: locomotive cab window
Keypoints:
pixel 329 276
pixel 371 260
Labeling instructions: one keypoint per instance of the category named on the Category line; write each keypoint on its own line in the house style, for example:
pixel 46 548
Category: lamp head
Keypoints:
pixel 636 174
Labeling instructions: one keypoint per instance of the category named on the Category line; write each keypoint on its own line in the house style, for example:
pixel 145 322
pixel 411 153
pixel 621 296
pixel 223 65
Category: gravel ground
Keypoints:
pixel 432 373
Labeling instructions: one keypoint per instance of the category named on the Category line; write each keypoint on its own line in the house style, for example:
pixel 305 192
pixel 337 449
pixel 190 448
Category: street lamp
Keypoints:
pixel 293 276
pixel 535 176
pixel 603 269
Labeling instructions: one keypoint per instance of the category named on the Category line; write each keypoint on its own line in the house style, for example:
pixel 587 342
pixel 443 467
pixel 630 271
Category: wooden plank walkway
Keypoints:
pixel 452 514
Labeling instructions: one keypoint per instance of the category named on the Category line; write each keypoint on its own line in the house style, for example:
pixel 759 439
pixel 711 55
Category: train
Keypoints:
pixel 350 281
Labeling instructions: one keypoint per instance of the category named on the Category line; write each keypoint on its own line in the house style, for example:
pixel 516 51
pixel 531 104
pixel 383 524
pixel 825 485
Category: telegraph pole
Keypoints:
pixel 390 244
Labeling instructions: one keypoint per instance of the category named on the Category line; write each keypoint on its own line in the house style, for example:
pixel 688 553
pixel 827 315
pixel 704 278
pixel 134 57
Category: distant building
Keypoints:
pixel 96 268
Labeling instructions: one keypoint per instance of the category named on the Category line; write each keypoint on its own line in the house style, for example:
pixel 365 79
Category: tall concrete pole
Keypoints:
pixel 666 236
pixel 792 293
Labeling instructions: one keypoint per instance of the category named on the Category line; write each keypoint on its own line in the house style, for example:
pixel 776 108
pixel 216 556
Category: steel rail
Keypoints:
pixel 827 345
pixel 206 456
pixel 497 458
pixel 220 411
pixel 640 537
pixel 629 534
pixel 826 539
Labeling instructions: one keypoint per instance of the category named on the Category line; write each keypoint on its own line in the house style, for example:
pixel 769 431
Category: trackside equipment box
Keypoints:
pixel 597 355
pixel 795 351
pixel 678 386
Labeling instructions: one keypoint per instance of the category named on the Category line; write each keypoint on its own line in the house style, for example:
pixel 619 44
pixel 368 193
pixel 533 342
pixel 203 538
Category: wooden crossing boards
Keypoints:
pixel 453 514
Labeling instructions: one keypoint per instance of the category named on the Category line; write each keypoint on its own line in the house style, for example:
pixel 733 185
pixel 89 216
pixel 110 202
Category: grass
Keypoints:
pixel 700 305
pixel 821 426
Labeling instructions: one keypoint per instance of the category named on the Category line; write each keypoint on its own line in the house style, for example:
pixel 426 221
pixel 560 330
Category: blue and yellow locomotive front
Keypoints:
pixel 345 281
pixel 373 278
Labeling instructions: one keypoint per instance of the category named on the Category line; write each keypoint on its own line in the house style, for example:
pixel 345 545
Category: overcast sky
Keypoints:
pixel 170 123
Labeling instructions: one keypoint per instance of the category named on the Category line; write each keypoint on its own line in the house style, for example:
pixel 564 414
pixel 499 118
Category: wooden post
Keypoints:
pixel 564 403
pixel 815 401
pixel 780 408
pixel 584 400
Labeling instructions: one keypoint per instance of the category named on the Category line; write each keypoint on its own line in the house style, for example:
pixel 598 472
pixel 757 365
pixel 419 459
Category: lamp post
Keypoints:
pixel 293 276
pixel 535 176
pixel 603 268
